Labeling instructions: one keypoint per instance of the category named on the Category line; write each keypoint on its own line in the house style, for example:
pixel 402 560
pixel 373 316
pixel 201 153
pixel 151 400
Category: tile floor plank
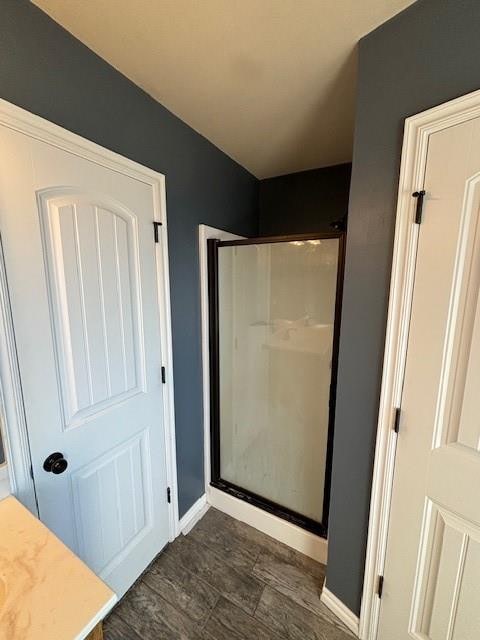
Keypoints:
pixel 216 533
pixel 241 588
pixel 295 558
pixel 154 618
pixel 288 618
pixel 290 580
pixel 229 622
pixel 114 628
pixel 181 588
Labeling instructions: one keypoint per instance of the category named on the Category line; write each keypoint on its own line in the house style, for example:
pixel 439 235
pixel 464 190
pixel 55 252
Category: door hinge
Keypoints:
pixel 156 226
pixel 31 472
pixel 169 495
pixel 419 195
pixel 164 375
pixel 379 586
pixel 396 419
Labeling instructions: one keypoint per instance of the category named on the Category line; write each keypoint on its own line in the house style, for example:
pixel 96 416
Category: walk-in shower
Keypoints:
pixel 274 325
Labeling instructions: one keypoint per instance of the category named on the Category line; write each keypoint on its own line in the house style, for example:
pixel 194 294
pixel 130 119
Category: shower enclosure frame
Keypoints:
pixel 214 350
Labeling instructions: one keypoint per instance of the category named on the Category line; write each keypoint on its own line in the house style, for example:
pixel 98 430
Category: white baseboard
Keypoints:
pixel 193 515
pixel 343 613
pixel 283 531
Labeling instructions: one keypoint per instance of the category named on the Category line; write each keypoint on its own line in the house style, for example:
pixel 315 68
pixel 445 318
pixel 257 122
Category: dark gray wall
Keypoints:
pixel 47 71
pixel 303 202
pixel 426 55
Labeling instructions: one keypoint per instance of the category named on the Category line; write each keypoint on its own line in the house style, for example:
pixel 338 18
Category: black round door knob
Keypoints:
pixel 55 463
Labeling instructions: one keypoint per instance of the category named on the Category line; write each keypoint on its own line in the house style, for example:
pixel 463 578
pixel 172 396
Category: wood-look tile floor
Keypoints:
pixel 226 581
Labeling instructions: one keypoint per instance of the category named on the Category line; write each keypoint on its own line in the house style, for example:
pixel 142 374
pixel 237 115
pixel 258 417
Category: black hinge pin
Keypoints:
pixel 156 226
pixel 169 495
pixel 419 195
pixel 396 420
pixel 380 586
pixel 164 375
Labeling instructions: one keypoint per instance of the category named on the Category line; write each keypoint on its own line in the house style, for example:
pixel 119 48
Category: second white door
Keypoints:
pixel 431 585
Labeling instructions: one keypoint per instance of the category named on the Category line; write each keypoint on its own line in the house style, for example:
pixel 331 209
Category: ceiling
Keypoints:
pixel 270 82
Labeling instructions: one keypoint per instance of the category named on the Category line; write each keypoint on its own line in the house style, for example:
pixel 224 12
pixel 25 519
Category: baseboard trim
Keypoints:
pixel 193 515
pixel 343 613
pixel 308 543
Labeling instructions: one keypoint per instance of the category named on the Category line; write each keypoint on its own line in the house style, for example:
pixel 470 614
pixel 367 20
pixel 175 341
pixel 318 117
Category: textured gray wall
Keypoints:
pixel 426 55
pixel 50 73
pixel 303 202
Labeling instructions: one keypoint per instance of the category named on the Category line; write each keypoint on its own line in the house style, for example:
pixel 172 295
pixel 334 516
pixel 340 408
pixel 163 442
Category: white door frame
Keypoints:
pixel 16 445
pixel 417 131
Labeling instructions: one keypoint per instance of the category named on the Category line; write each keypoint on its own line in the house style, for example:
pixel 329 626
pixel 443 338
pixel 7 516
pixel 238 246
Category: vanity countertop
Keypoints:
pixel 46 592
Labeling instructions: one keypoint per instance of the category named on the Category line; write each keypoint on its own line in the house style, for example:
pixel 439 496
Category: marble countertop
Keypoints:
pixel 46 592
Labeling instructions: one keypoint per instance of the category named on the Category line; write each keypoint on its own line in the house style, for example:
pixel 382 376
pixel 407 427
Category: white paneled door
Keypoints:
pixel 432 572
pixel 82 274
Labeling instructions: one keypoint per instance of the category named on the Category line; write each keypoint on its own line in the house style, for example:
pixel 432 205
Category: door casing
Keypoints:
pixel 16 432
pixel 417 131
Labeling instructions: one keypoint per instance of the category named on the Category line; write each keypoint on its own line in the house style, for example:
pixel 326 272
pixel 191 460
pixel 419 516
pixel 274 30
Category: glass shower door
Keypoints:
pixel 274 307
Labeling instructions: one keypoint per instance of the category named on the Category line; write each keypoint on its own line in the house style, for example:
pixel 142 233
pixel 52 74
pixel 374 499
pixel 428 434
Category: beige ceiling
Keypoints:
pixel 270 82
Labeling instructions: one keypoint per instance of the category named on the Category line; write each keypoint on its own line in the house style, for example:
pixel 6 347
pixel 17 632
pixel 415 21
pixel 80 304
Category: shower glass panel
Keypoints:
pixel 275 311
